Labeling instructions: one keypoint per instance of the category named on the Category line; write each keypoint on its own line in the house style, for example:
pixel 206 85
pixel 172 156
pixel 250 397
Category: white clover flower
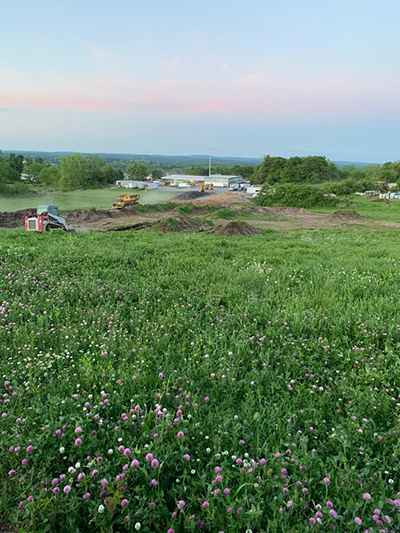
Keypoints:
pixel 62 449
pixel 77 465
pixel 138 526
pixel 110 451
pixel 193 471
pixel 101 509
pixel 208 450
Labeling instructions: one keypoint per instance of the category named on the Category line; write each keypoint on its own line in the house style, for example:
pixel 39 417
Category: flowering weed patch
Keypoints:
pixel 169 384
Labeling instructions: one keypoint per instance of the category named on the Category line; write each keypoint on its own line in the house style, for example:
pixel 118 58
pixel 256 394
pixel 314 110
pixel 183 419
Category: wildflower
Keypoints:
pixel 78 430
pixel 138 525
pixel 104 483
pixel 11 473
pixel 86 496
pixel 135 463
pixel 326 480
pixel 366 496
pixel 78 442
pixel 180 435
pixel 186 457
pixel 333 513
pixel 181 504
pixel 149 457
pixel 29 449
pixel 154 482
pixel 101 509
pixel 358 521
pixel 154 463
pixel 124 502
pixel 312 521
pixel 94 473
pixel 67 489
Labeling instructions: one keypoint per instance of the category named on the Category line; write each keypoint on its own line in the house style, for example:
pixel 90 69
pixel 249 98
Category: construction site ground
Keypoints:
pixel 226 213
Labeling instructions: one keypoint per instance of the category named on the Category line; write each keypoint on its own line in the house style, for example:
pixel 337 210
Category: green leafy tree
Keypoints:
pixel 8 174
pixel 157 173
pixel 33 170
pixel 16 162
pixel 95 166
pixel 74 172
pixel 50 175
pixel 111 174
pixel 137 171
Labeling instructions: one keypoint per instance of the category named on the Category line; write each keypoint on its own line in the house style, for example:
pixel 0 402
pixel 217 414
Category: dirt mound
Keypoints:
pixel 287 211
pixel 182 224
pixel 237 228
pixel 190 195
pixel 346 215
pixel 14 219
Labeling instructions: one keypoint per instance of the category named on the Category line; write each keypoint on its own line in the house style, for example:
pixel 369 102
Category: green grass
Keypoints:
pixel 367 208
pixel 91 198
pixel 271 361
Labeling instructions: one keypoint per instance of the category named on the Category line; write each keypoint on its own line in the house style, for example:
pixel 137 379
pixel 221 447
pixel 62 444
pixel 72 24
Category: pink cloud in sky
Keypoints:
pixel 258 95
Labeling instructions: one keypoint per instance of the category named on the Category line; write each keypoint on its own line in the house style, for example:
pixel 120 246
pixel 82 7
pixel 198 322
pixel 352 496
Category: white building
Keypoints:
pixel 133 184
pixel 220 180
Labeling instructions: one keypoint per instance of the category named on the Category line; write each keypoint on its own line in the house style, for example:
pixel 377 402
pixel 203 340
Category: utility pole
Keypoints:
pixel 209 161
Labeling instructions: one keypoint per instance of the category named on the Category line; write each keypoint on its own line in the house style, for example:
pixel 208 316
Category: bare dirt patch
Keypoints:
pixel 237 228
pixel 347 216
pixel 182 224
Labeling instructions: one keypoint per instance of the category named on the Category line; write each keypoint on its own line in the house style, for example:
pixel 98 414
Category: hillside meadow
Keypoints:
pixel 174 383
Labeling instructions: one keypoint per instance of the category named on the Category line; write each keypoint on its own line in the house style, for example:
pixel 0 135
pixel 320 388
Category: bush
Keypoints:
pixel 304 196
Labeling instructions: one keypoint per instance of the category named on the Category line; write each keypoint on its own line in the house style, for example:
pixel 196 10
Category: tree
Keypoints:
pixel 50 175
pixel 7 173
pixel 157 173
pixel 33 170
pixel 95 166
pixel 74 172
pixel 16 162
pixel 111 174
pixel 137 171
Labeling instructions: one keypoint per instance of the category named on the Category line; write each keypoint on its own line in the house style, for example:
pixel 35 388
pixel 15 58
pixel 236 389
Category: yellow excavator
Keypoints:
pixel 204 187
pixel 126 200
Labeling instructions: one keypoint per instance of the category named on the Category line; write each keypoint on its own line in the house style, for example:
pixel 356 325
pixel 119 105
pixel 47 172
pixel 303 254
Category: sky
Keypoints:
pixel 247 78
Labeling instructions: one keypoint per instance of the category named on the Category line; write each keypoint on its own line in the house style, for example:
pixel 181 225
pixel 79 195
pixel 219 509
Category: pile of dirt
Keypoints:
pixel 136 227
pixel 14 219
pixel 182 224
pixel 237 228
pixel 220 199
pixel 287 211
pixel 190 195
pixel 346 216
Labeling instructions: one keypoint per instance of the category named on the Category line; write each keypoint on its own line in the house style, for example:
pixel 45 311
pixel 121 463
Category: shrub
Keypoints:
pixel 303 196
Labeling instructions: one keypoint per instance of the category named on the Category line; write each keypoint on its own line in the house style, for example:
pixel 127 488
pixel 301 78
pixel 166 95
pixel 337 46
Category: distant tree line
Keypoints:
pixel 73 172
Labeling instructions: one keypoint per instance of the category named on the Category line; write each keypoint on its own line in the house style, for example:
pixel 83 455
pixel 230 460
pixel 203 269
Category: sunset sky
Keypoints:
pixel 175 77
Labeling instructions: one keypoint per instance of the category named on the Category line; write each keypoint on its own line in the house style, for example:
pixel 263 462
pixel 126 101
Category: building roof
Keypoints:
pixel 223 176
pixel 183 177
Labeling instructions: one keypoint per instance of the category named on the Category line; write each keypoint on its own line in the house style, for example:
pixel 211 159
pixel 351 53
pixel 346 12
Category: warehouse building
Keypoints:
pixel 216 180
pixel 220 180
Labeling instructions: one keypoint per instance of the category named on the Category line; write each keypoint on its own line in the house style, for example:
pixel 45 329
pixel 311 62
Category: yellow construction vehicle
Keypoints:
pixel 126 200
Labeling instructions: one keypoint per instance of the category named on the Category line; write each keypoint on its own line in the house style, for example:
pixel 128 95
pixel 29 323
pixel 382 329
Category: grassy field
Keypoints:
pixel 97 198
pixel 200 383
pixel 368 208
